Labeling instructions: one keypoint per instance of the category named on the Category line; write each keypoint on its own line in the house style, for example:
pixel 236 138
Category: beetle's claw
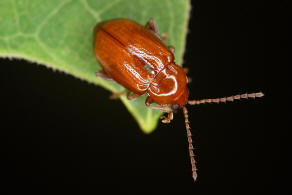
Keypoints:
pixel 117 95
pixel 189 80
pixel 167 119
pixel 114 96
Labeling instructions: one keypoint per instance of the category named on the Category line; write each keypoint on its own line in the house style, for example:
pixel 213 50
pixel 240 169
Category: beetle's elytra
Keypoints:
pixel 136 57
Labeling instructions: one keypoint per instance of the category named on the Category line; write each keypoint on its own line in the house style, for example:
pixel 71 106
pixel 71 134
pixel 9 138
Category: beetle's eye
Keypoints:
pixel 175 106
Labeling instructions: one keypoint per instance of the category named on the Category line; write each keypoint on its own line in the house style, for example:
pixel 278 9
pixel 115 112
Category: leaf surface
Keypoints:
pixel 58 34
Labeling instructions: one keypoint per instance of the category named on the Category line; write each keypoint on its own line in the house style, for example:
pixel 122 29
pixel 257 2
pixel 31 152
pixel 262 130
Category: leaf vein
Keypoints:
pixel 93 12
pixel 51 14
pixel 185 29
pixel 170 31
pixel 45 48
pixel 109 6
pixel 16 15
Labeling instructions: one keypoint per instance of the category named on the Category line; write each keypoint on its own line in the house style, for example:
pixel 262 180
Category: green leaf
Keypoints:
pixel 58 34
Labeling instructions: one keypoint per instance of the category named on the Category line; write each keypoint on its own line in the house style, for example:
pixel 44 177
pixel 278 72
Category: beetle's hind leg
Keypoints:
pixel 117 95
pixel 102 74
pixel 129 95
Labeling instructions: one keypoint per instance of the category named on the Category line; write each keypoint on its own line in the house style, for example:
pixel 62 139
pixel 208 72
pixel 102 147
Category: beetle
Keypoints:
pixel 136 57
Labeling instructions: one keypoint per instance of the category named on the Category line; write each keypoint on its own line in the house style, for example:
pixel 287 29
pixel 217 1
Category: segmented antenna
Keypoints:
pixel 190 141
pixel 203 101
pixel 227 99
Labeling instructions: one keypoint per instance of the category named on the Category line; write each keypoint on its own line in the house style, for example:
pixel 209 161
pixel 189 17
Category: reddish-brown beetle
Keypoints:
pixel 135 57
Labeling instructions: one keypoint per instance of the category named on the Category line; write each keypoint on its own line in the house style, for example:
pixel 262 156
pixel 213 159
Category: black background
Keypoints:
pixel 58 130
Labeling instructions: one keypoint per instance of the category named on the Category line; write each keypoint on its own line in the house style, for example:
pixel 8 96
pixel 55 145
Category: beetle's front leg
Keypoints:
pixel 163 108
pixel 168 118
pixel 189 79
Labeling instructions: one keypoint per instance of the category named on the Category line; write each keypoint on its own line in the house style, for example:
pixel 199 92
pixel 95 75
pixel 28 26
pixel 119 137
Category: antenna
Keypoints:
pixel 203 101
pixel 190 141
pixel 227 99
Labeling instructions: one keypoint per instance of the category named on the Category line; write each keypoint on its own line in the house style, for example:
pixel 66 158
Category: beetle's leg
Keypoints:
pixel 163 108
pixel 166 108
pixel 117 95
pixel 130 95
pixel 189 80
pixel 186 70
pixel 148 101
pixel 102 74
pixel 164 36
pixel 167 119
pixel 171 49
pixel 151 25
